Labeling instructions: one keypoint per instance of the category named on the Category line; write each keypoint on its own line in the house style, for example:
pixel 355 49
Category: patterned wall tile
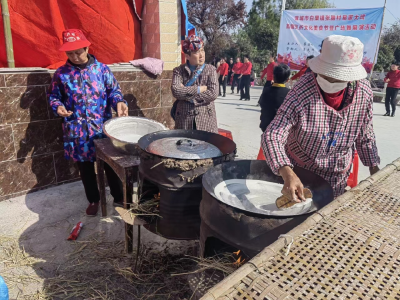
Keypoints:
pixel 166 74
pixel 7 150
pixel 166 95
pixel 2 80
pixel 26 174
pixel 13 80
pixel 142 94
pixel 23 104
pixel 122 76
pixel 36 138
pixel 161 115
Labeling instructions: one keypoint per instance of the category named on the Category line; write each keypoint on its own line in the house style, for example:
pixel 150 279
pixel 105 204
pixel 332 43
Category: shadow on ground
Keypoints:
pixel 38 262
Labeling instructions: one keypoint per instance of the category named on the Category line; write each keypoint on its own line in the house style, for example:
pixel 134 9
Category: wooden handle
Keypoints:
pixel 283 202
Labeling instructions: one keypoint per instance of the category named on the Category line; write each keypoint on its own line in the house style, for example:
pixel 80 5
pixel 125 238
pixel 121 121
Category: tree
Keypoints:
pixel 308 4
pixel 217 48
pixel 216 18
pixel 385 58
pixel 397 54
pixel 389 49
pixel 391 35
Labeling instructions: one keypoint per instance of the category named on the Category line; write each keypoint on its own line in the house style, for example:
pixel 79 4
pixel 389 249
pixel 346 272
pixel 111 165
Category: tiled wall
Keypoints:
pixel 31 150
pixel 161 31
pixel 170 24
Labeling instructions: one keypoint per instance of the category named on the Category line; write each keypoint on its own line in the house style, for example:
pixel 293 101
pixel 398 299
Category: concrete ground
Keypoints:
pixel 34 228
pixel 37 260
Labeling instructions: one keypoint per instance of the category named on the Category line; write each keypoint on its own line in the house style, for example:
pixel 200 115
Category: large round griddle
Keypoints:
pixel 179 181
pixel 183 148
pixel 259 170
pixel 225 145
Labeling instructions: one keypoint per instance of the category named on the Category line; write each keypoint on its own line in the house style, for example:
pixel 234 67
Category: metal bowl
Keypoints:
pixel 125 132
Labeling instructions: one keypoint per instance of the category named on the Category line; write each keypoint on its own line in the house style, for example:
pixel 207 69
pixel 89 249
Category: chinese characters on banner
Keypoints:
pixel 302 32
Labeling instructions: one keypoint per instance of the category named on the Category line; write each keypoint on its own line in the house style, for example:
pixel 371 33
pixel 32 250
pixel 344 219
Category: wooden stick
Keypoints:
pixel 7 34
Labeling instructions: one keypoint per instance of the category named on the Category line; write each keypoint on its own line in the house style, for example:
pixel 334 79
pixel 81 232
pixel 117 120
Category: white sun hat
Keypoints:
pixel 340 58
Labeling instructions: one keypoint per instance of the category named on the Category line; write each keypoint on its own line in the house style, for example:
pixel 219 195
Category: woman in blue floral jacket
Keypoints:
pixel 83 91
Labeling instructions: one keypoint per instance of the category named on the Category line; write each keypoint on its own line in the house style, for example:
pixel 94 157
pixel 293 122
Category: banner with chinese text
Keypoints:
pixel 302 32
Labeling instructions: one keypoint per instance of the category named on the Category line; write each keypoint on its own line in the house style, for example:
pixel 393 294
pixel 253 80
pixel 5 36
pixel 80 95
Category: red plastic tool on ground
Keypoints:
pixel 75 231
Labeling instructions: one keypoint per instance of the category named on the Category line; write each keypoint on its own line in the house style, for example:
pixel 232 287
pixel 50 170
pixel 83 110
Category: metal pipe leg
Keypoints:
pixel 137 249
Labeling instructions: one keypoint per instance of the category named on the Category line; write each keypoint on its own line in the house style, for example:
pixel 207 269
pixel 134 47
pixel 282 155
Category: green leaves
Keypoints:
pixel 385 58
pixel 389 49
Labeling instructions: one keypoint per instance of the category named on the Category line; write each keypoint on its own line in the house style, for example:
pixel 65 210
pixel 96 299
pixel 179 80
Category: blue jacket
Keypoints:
pixel 90 94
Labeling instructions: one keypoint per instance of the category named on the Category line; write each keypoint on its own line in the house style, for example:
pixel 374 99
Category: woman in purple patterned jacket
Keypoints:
pixel 324 119
pixel 83 91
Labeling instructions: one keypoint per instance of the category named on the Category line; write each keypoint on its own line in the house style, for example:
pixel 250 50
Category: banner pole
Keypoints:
pixel 379 42
pixel 280 21
pixel 7 34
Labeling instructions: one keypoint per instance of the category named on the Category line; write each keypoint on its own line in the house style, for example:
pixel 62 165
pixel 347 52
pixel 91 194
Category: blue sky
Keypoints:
pixel 392 7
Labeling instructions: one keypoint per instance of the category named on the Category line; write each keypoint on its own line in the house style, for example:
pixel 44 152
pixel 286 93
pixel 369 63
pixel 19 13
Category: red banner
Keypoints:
pixel 112 27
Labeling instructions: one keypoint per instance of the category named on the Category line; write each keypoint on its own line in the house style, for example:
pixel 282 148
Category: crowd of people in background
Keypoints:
pixel 239 74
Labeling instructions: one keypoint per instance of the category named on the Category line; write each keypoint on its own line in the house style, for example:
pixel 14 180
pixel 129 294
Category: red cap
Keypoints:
pixel 74 39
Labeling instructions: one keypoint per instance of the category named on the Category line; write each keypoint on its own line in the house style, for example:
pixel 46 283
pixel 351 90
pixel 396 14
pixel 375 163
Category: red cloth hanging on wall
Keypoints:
pixel 112 27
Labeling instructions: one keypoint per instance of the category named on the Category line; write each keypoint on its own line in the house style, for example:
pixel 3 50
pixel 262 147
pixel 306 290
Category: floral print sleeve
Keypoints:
pixel 113 90
pixel 56 93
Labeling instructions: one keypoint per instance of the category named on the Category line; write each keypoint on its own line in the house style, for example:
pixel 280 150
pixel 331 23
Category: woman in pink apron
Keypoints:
pixel 324 119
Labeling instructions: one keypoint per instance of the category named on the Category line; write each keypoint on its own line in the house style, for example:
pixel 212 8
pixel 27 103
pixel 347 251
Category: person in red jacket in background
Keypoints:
pixel 393 80
pixel 236 73
pixel 230 64
pixel 223 71
pixel 245 79
pixel 269 71
pixel 306 69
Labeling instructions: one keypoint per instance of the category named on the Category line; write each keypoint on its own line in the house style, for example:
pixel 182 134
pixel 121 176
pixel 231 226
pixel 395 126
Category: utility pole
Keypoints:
pixel 7 34
pixel 283 7
pixel 379 41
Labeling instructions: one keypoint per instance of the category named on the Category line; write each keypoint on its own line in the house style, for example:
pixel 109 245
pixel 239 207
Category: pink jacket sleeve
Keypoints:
pixel 366 141
pixel 275 136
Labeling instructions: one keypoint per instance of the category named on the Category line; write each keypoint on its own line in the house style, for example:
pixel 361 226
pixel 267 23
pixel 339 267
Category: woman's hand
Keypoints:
pixel 292 188
pixel 122 109
pixel 203 89
pixel 62 112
